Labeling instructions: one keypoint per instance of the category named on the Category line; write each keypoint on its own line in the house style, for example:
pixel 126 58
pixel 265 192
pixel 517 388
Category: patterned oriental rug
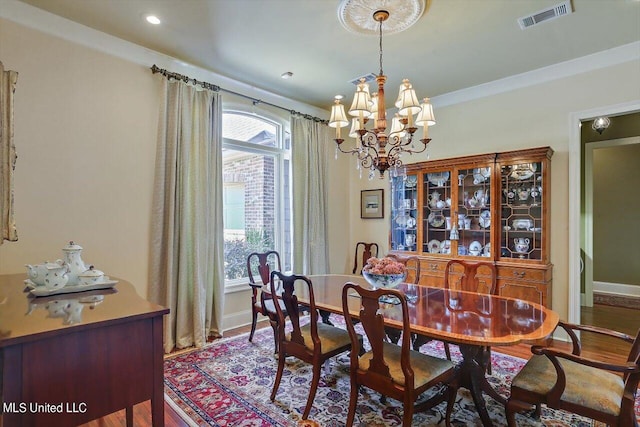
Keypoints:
pixel 228 384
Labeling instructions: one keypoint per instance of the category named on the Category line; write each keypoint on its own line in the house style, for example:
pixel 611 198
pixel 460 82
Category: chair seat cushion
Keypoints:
pixel 331 338
pixel 425 367
pixel 271 307
pixel 586 386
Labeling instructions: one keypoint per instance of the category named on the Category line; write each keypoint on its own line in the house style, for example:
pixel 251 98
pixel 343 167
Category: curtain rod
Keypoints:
pixel 168 74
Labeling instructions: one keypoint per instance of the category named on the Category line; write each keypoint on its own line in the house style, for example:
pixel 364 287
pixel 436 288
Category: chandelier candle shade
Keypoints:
pixel 374 148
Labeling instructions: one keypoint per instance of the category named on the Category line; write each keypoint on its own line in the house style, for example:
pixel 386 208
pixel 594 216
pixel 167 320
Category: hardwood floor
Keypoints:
pixel 617 318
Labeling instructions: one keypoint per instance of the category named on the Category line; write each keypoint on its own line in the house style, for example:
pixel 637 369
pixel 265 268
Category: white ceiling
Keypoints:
pixel 456 44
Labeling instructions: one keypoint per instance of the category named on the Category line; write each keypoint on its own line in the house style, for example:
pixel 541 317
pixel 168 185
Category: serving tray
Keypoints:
pixel 42 291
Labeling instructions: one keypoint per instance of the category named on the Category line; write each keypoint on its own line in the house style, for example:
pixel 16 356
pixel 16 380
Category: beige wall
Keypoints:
pixel 85 127
pixel 527 117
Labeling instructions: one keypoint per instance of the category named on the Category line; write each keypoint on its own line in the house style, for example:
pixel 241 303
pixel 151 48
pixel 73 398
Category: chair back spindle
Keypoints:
pixel 367 251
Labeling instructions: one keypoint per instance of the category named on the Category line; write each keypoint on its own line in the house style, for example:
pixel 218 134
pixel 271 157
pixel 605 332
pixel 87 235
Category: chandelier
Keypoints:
pixel 374 148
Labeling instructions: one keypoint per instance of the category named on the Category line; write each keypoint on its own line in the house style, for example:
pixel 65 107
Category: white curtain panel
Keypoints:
pixel 8 80
pixel 187 247
pixel 310 151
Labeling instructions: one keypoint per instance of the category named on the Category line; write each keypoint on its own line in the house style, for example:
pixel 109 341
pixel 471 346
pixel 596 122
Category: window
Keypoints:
pixel 257 199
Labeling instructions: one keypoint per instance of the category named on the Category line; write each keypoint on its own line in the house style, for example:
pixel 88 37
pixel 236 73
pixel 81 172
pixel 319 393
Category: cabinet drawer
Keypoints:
pixel 433 267
pixel 524 274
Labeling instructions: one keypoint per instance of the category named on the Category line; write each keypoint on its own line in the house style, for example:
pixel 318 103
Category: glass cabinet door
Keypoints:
pixel 436 213
pixel 521 211
pixel 473 211
pixel 404 210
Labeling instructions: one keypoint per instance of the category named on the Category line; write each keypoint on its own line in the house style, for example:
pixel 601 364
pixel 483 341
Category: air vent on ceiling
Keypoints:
pixel 552 12
pixel 367 78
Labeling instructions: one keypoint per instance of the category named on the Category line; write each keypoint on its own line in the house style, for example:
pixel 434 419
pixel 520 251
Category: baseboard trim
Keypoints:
pixel 620 289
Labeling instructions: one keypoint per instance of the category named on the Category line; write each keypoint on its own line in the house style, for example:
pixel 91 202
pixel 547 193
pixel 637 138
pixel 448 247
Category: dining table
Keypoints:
pixel 470 320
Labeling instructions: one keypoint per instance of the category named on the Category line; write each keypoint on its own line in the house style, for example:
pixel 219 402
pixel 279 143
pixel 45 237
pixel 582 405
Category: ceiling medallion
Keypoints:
pixel 355 15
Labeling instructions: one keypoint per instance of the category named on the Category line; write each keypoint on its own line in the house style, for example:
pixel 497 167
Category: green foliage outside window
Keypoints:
pixel 236 251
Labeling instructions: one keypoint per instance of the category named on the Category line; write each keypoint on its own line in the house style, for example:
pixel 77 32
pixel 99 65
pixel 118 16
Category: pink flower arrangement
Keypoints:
pixel 384 266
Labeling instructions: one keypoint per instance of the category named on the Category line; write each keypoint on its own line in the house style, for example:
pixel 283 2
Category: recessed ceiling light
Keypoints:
pixel 286 75
pixel 152 19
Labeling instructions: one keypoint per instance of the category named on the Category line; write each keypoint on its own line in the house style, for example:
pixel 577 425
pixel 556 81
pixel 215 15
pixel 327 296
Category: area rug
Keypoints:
pixel 228 383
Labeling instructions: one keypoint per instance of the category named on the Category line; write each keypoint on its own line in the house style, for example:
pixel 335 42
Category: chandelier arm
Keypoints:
pixel 396 150
pixel 349 151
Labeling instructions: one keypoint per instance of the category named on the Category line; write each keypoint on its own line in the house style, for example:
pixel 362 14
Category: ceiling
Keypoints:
pixel 456 44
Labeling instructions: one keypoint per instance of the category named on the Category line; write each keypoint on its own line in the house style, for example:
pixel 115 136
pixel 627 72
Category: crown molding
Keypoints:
pixel 606 58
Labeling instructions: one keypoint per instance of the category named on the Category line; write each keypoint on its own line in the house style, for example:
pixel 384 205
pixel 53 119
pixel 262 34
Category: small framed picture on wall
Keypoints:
pixel 372 204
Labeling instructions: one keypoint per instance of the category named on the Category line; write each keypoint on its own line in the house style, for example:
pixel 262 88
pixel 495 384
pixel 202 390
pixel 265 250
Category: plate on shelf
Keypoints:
pixel 411 222
pixel 42 291
pixel 481 175
pixel 435 220
pixel 445 247
pixel 438 178
pixel 434 246
pixel 523 171
pixel 411 181
pixel 485 219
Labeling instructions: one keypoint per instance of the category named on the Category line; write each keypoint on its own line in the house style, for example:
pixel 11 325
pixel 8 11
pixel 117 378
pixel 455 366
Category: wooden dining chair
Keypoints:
pixel 364 251
pixel 394 371
pixel 313 343
pixel 412 265
pixel 460 275
pixel 479 277
pixel 597 389
pixel 260 265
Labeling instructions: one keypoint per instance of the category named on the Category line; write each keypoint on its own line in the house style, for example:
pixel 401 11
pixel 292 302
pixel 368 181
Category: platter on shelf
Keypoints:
pixel 435 220
pixel 438 178
pixel 411 181
pixel 445 247
pixel 485 219
pixel 434 246
pixel 42 291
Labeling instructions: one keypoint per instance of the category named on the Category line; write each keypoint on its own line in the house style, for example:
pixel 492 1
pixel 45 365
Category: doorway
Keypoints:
pixel 584 151
pixel 611 203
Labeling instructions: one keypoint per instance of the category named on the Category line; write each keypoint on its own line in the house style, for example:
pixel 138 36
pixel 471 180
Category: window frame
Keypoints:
pixel 281 155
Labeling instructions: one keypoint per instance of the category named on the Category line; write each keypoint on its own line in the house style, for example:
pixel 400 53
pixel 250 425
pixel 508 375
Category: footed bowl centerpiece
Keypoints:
pixel 384 272
pixel 384 280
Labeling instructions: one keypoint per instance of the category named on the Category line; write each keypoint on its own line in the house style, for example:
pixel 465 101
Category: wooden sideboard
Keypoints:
pixel 69 359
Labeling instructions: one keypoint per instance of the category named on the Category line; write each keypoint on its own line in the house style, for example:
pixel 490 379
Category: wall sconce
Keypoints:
pixel 601 124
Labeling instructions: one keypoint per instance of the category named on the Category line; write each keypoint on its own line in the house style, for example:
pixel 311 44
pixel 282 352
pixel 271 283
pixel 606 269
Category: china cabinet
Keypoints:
pixel 490 207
